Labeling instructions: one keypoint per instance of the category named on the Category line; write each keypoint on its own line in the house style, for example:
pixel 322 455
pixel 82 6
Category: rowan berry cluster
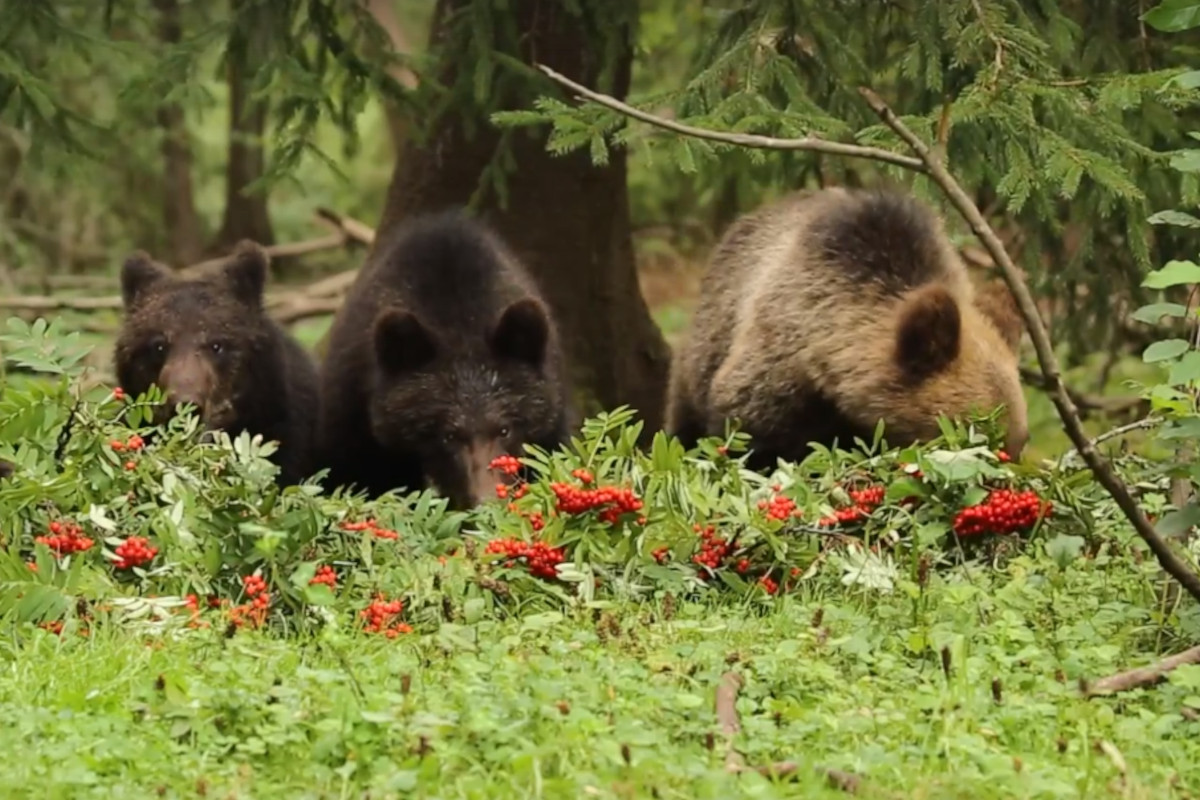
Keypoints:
pixel 768 583
pixel 133 444
pixel 118 394
pixel 192 602
pixel 65 538
pixel 539 556
pixel 509 465
pixel 713 548
pixel 325 575
pixel 134 552
pixel 661 554
pixel 1003 511
pixel 864 502
pixel 381 616
pixel 779 507
pixel 372 526
pixel 611 501
pixel 256 610
pixel 503 490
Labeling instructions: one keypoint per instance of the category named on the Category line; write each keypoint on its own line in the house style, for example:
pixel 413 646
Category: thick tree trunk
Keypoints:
pixel 246 215
pixel 567 219
pixel 184 238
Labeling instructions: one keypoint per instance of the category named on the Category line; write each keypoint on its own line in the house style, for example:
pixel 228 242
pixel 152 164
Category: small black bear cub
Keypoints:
pixel 443 357
pixel 208 342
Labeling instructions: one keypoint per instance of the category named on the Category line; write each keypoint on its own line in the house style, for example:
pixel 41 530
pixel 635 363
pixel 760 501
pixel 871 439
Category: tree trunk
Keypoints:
pixel 567 219
pixel 246 215
pixel 184 239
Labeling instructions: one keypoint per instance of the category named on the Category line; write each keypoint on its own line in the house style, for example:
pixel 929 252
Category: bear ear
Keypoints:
pixel 929 335
pixel 138 274
pixel 246 272
pixel 522 332
pixel 996 303
pixel 402 342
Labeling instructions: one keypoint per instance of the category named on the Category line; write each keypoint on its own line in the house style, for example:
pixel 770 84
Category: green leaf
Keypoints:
pixel 1174 15
pixel 1064 549
pixel 1174 523
pixel 1171 217
pixel 1165 350
pixel 1175 273
pixel 318 594
pixel 1152 313
pixel 1186 161
pixel 1186 370
pixel 1187 428
pixel 1186 80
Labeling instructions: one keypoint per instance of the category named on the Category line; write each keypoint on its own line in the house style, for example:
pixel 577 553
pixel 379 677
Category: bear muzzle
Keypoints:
pixel 190 380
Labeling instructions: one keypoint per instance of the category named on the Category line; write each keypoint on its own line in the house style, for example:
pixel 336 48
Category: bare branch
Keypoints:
pixel 1136 425
pixel 1041 343
pixel 1139 678
pixel 811 143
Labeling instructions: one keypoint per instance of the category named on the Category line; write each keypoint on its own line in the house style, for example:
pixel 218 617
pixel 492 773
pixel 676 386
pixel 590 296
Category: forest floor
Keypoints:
pixel 966 690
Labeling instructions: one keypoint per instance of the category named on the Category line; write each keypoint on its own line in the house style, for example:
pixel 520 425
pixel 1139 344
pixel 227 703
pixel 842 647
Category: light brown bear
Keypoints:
pixel 826 311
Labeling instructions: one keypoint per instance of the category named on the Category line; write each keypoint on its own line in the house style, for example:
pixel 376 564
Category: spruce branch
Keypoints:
pixel 810 143
pixel 1057 390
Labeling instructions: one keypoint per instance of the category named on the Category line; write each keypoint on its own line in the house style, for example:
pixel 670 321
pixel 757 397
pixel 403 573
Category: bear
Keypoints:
pixel 443 356
pixel 209 342
pixel 828 310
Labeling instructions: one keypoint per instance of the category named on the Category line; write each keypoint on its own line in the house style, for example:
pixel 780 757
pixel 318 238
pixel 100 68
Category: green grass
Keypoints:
pixel 543 707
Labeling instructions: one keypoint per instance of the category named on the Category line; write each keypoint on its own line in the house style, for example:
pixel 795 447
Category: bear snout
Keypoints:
pixel 187 379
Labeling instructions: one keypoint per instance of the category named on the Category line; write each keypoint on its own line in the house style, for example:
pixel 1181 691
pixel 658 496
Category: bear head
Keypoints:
pixel 955 357
pixel 456 403
pixel 199 340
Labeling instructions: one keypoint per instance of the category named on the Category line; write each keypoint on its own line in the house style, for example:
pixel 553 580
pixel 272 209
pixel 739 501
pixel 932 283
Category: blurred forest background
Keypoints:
pixel 180 127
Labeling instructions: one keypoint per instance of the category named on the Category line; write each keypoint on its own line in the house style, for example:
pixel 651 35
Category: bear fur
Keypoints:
pixel 208 341
pixel 443 357
pixel 826 311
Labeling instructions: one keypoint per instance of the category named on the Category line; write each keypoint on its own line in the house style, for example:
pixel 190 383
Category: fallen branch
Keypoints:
pixel 313 300
pixel 811 143
pixel 1139 678
pixel 727 717
pixel 349 227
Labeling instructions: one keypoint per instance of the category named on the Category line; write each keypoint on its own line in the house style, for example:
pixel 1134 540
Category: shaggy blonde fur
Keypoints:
pixel 827 311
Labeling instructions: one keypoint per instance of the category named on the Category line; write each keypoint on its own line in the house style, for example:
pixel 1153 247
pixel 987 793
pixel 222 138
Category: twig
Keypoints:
pixel 1139 678
pixel 64 436
pixel 1041 343
pixel 1084 403
pixel 1146 422
pixel 811 143
pixel 727 716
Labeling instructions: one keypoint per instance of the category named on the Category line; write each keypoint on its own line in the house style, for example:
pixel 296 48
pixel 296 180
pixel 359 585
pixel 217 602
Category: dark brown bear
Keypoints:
pixel 827 311
pixel 208 342
pixel 443 357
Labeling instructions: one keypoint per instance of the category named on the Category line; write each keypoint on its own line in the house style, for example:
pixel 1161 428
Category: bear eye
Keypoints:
pixel 217 348
pixel 504 432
